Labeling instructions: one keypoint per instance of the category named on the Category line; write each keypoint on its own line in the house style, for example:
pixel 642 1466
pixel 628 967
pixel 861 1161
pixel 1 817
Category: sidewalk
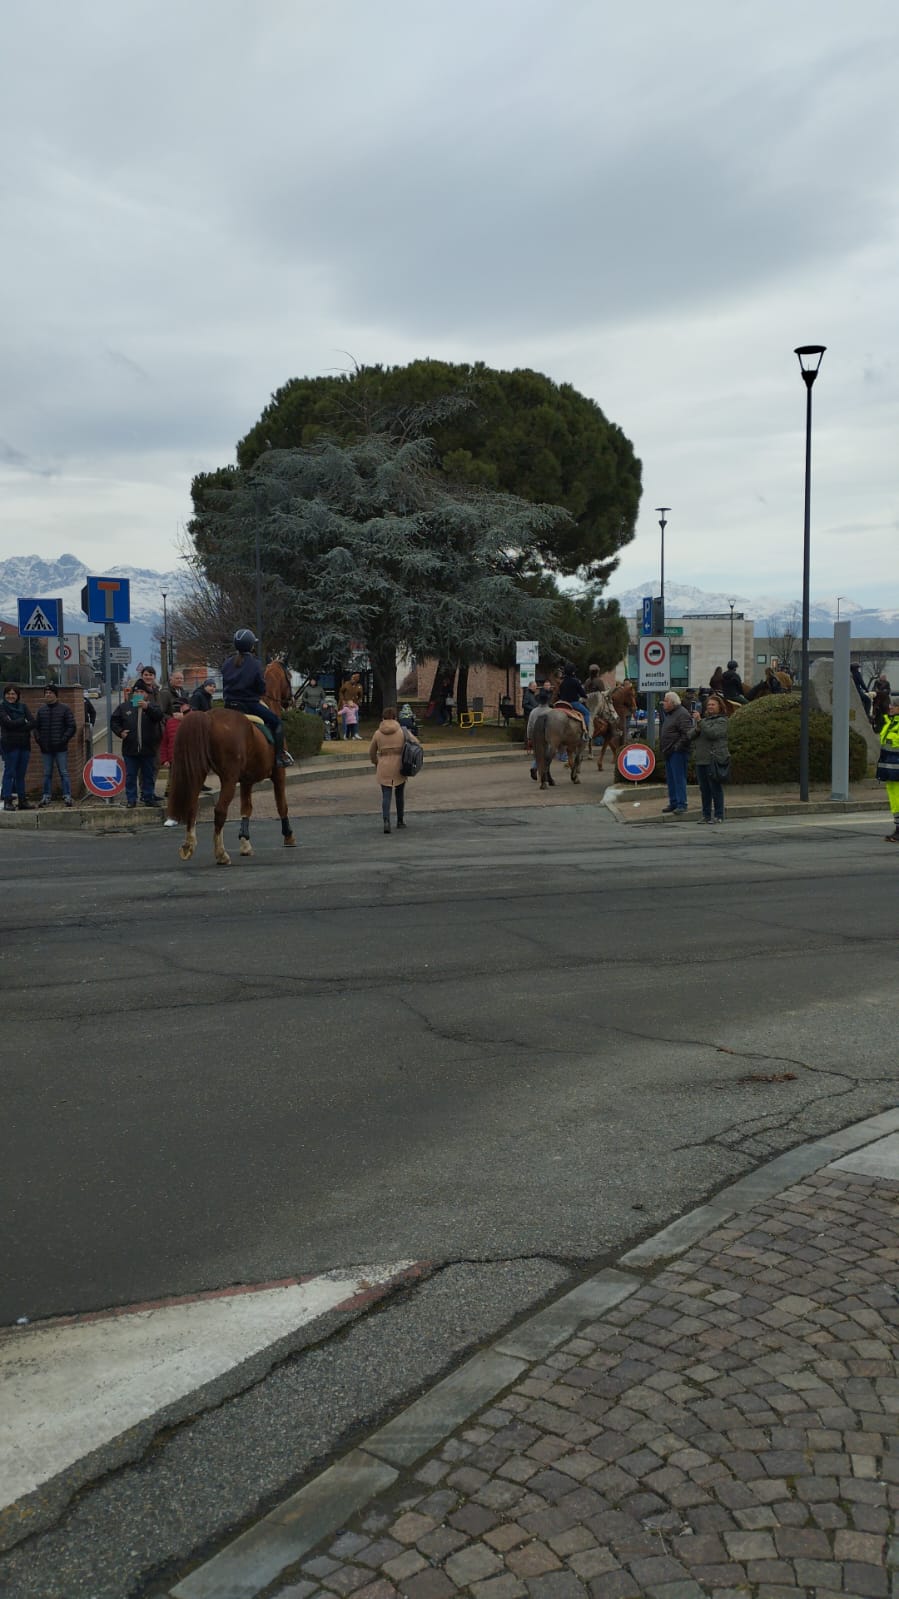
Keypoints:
pixel 716 1414
pixel 638 803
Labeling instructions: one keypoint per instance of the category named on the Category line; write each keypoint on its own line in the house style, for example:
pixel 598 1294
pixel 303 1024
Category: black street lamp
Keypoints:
pixel 810 358
pixel 663 523
pixel 731 603
pixel 165 638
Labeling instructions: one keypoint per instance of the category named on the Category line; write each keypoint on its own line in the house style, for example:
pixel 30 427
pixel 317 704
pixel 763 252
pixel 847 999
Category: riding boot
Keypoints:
pixel 282 756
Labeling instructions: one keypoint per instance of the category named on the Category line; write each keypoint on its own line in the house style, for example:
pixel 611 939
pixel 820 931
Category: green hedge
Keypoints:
pixel 303 734
pixel 764 743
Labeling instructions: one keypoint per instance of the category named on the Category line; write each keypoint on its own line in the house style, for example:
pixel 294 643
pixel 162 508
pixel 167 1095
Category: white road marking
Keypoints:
pixel 66 1388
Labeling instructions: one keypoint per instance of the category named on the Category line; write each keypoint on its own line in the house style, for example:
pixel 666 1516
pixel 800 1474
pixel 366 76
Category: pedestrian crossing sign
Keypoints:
pixel 39 618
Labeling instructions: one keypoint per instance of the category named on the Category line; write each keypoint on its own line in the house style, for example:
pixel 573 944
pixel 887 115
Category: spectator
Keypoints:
pixel 732 684
pixel 310 697
pixel 674 744
pixel 16 728
pixel 711 756
pixel 151 686
pixel 888 766
pixel 881 697
pixel 855 672
pixel 54 730
pixel 90 710
pixel 172 695
pixel 385 753
pixel 528 700
pixel 348 711
pixel 329 717
pixel 203 695
pixel 139 725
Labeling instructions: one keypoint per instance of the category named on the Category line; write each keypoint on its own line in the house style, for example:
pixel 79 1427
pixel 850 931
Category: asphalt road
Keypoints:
pixel 508 1042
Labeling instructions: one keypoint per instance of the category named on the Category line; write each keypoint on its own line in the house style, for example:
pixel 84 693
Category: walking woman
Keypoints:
pixel 711 757
pixel 386 754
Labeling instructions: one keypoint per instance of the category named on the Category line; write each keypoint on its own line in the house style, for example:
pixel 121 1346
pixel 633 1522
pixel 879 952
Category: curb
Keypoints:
pixel 100 819
pixel 759 808
pixel 353 765
pixel 260 1555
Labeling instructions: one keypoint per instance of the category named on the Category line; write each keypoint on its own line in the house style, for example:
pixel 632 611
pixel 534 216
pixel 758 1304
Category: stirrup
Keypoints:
pixel 284 759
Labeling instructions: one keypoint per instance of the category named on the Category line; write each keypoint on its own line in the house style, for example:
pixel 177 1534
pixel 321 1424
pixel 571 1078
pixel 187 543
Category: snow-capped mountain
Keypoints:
pixel 683 600
pixel 30 577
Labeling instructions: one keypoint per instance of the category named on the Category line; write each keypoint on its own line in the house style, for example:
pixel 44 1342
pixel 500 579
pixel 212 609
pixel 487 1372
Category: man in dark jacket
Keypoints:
pixel 138 723
pixel 55 729
pixel 674 743
pixel 172 694
pixel 732 684
pixel 572 691
pixel 202 696
pixel 16 727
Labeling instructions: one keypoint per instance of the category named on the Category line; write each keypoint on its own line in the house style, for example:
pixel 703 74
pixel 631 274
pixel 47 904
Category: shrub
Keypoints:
pixel 764 743
pixel 303 734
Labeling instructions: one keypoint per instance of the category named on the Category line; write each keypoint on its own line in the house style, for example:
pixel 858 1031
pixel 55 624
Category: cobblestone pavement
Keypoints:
pixel 731 1428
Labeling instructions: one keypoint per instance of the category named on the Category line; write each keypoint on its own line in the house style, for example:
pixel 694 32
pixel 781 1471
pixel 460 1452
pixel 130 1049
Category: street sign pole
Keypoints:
pixel 30 665
pixel 61 636
pixel 107 673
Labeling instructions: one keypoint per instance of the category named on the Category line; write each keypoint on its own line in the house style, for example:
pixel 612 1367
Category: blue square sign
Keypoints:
pixel 107 599
pixel 39 618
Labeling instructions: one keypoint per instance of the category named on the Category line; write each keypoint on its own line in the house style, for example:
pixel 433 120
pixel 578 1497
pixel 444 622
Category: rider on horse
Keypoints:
pixel 572 691
pixel 243 686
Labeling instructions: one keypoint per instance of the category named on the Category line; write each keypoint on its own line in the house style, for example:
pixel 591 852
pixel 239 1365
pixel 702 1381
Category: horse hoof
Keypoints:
pixel 223 860
pixel 246 847
pixel 185 852
pixel 290 842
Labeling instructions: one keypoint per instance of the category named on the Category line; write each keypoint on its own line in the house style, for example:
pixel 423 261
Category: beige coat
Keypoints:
pixel 385 752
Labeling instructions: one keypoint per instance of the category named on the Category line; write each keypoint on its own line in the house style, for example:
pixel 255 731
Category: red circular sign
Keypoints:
pixel 654 652
pixel 636 761
pixel 104 775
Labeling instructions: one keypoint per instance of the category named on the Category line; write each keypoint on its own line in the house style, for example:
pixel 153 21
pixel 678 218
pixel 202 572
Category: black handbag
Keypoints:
pixel 720 769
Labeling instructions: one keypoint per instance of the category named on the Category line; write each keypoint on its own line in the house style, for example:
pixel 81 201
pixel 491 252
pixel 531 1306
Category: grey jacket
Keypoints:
pixel 710 740
pixel 677 730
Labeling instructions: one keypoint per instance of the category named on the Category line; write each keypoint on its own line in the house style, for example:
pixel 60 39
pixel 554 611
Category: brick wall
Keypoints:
pixel 74 698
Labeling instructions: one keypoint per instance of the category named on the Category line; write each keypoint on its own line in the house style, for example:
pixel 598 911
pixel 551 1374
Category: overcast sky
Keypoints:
pixel 656 204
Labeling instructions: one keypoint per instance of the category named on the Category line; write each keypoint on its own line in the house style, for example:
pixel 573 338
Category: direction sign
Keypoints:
pixel 107 599
pixel 655 665
pixel 636 761
pixel 120 655
pixel 104 775
pixel 39 618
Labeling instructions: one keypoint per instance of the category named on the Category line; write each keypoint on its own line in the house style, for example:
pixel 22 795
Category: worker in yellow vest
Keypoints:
pixel 888 766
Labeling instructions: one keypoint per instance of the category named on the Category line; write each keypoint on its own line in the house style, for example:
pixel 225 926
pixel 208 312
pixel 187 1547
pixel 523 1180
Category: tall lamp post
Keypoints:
pixel 731 603
pixel 663 523
pixel 810 358
pixel 165 638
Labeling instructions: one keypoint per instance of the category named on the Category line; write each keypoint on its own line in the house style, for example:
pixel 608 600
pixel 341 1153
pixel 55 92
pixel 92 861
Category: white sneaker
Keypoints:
pixel 170 822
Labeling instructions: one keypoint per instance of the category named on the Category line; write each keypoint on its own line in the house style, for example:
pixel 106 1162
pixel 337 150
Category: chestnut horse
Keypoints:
pixel 278 692
pixel 235 748
pixel 624 699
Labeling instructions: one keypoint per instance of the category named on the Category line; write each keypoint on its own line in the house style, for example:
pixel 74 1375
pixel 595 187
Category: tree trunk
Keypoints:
pixel 462 691
pixel 443 673
pixel 383 667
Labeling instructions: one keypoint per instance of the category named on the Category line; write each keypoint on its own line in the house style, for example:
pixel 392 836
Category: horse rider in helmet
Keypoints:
pixel 572 691
pixel 243 686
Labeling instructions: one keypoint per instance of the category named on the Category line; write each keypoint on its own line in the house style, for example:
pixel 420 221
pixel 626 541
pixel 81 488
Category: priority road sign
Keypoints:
pixel 104 775
pixel 636 761
pixel 39 618
pixel 655 665
pixel 107 599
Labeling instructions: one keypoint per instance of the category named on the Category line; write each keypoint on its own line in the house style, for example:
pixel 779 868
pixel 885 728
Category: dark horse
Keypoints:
pixel 624 700
pixel 235 748
pixel 551 730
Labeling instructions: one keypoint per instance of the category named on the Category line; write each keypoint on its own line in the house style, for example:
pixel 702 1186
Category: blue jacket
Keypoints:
pixel 242 681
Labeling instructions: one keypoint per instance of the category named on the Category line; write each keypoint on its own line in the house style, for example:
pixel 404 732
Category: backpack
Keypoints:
pixel 412 758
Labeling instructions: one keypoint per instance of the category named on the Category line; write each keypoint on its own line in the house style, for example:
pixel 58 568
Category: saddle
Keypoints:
pixel 563 705
pixel 263 726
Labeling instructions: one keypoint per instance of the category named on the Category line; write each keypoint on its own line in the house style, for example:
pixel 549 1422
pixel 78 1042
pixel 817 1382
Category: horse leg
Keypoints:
pixel 574 761
pixel 220 817
pixel 190 836
pixel 246 811
pixel 279 784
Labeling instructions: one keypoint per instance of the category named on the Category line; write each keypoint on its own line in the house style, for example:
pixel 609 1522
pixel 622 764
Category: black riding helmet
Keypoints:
pixel 731 666
pixel 245 641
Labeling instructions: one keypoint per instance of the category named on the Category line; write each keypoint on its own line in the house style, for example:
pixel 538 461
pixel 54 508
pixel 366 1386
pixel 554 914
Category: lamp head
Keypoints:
pixel 810 358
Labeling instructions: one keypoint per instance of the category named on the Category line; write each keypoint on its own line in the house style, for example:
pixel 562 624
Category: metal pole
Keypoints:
pixel 839 746
pixel 165 638
pixel 258 585
pixel 809 378
pixel 731 603
pixel 107 673
pixel 30 664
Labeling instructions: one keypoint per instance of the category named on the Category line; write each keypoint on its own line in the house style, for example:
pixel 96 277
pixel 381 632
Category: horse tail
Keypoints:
pixel 540 750
pixel 191 761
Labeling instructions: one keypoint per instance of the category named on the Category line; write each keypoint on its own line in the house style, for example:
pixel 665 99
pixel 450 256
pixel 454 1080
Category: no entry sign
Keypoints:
pixel 636 761
pixel 655 664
